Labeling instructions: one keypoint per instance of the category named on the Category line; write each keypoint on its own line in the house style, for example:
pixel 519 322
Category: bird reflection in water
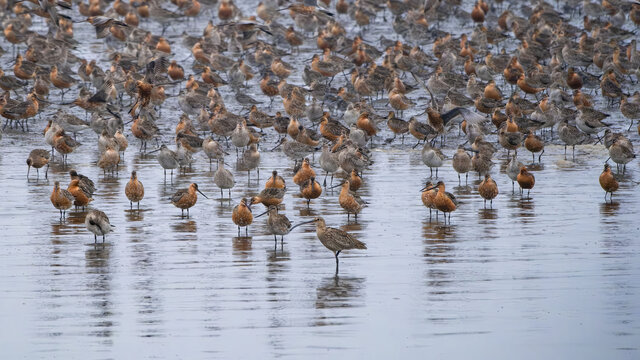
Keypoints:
pixel 439 249
pixel 134 215
pixel 436 230
pixel 338 292
pixel 307 212
pixel 189 226
pixel 487 214
pixel 352 227
pixel 99 285
pixel 526 211
pixel 148 301
pixel 242 246
pixel 464 189
pixel 609 208
pixel 76 217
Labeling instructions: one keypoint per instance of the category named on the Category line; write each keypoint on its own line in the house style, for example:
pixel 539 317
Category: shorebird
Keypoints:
pixel 328 163
pixel 397 126
pixel 334 239
pixel 213 150
pixel 444 201
pixel 621 152
pixel 251 160
pixel 349 201
pixel 534 144
pixel 223 179
pixel 526 180
pixel 269 196
pixel 37 159
pixel 61 199
pixel 608 182
pixel 589 120
pixel 278 224
pixel 134 190
pixel 432 157
pixel 571 136
pixel 462 163
pixel 98 223
pixel 81 194
pixel 488 189
pixel 167 158
pixel 64 144
pixel 275 181
pixel 242 216
pixel 310 189
pixel 428 195
pixel 304 173
pixel 186 198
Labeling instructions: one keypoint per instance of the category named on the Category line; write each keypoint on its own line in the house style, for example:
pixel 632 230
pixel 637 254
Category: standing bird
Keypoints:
pixel 37 159
pixel 513 170
pixel 488 189
pixel 269 197
pixel 80 192
pixel 444 201
pixel 432 157
pixel 242 216
pixel 462 163
pixel 328 163
pixel 526 180
pixel 608 182
pixel 223 179
pixel 98 223
pixel 213 150
pixel 349 201
pixel 304 173
pixel 334 239
pixel 310 189
pixel 278 224
pixel 167 158
pixel 134 190
pixel 64 144
pixel 186 198
pixel 109 160
pixel 275 181
pixel 61 199
pixel 534 144
pixel 428 196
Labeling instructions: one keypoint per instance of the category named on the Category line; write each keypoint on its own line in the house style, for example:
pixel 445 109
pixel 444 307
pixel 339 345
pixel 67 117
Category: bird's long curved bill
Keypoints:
pixel 257 216
pixel 277 146
pixel 302 223
pixel 156 150
pixel 428 188
pixel 335 186
pixel 205 196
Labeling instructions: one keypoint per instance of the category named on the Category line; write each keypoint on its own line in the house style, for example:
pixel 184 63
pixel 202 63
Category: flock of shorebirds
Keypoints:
pixel 513 74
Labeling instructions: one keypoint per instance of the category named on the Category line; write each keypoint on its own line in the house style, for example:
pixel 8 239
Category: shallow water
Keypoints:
pixel 556 275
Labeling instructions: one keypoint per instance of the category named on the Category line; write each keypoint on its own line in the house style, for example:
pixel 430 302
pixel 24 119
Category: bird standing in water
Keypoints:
pixel 488 189
pixel 334 239
pixel 526 180
pixel 134 190
pixel 98 223
pixel 186 198
pixel 608 182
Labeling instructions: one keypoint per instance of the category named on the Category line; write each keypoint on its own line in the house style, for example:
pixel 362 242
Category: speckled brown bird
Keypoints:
pixel 134 190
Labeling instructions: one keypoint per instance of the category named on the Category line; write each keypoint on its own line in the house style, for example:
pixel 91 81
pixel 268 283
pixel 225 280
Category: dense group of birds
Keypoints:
pixel 514 74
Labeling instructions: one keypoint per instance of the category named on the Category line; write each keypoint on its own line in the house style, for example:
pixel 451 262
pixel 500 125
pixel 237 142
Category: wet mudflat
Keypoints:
pixel 559 271
pixel 555 275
